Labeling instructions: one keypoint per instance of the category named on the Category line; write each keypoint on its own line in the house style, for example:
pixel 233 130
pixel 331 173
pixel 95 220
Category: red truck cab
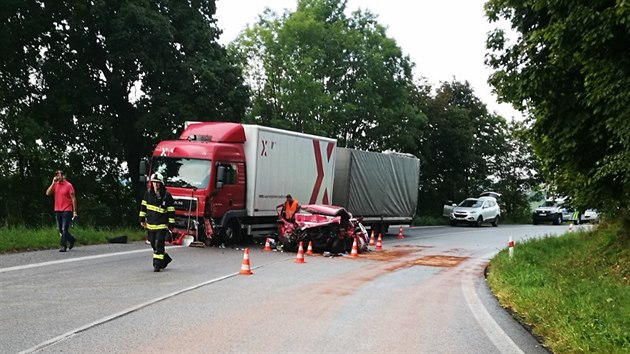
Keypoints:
pixel 204 170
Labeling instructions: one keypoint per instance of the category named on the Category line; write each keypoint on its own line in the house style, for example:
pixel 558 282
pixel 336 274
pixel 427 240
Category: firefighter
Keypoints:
pixel 157 216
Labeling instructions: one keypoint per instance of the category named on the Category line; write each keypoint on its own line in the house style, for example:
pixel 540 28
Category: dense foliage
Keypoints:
pixel 319 71
pixel 569 66
pixel 466 150
pixel 91 87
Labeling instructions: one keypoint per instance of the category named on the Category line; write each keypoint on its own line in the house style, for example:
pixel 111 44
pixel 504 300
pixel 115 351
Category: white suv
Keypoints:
pixel 476 211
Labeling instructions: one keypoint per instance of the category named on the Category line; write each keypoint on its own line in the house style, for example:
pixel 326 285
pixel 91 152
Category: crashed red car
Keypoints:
pixel 330 229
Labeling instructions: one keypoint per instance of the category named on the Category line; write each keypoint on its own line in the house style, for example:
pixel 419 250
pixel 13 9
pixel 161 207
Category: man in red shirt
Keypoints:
pixel 65 208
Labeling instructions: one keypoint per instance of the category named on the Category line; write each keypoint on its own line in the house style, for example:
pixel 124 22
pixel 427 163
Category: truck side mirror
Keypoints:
pixel 220 177
pixel 144 167
pixel 143 170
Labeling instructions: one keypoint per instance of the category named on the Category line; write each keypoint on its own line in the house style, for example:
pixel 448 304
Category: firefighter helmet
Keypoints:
pixel 157 177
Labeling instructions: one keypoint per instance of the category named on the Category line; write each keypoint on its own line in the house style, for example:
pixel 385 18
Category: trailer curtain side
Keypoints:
pixel 376 184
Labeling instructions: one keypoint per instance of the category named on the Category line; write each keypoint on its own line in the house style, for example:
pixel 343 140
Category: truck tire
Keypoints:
pixel 380 229
pixel 232 233
pixel 479 221
pixel 495 223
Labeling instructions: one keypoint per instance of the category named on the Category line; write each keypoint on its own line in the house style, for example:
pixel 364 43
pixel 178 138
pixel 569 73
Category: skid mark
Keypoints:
pixel 411 246
pixel 439 261
pixel 406 256
pixel 388 255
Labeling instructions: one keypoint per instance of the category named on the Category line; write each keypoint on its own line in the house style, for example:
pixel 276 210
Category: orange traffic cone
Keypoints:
pixel 372 239
pixel 267 245
pixel 300 255
pixel 309 249
pixel 245 267
pixel 400 234
pixel 355 249
pixel 379 243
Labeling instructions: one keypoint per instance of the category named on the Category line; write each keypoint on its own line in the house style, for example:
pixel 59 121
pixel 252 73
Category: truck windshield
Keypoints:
pixel 183 172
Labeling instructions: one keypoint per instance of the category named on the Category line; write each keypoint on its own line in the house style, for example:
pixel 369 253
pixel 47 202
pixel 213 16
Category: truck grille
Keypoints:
pixel 184 204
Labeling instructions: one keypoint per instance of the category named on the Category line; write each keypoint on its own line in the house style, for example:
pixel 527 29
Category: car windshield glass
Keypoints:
pixel 183 172
pixel 471 203
pixel 548 204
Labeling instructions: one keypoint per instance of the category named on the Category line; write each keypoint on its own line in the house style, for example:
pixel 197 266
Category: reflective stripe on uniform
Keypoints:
pixel 142 214
pixel 158 256
pixel 157 209
pixel 157 227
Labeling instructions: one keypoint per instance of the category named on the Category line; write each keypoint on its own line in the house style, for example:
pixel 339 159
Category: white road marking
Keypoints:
pixel 78 259
pixel 122 313
pixel 495 333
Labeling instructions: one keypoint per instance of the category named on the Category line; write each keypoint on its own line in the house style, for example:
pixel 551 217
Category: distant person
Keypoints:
pixel 157 216
pixel 65 208
pixel 289 207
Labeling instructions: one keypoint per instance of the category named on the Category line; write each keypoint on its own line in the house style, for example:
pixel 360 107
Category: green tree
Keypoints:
pixel 459 148
pixel 95 85
pixel 570 68
pixel 316 70
pixel 517 173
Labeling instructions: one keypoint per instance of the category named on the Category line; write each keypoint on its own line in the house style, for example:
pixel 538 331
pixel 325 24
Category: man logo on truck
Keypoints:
pixel 264 143
pixel 263 151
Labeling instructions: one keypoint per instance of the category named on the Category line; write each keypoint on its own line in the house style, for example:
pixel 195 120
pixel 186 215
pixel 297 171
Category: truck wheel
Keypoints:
pixel 558 219
pixel 479 221
pixel 232 233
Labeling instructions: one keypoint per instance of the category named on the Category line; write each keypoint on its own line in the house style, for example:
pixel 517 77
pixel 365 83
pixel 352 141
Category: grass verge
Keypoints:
pixel 572 291
pixel 26 239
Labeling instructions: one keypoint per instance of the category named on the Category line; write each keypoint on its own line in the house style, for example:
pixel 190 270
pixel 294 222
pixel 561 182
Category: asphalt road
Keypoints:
pixel 425 293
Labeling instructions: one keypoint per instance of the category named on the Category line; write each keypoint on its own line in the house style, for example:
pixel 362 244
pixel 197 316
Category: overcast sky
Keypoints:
pixel 444 38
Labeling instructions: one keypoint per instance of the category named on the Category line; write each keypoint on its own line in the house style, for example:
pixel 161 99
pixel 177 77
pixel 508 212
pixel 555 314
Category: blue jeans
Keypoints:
pixel 64 219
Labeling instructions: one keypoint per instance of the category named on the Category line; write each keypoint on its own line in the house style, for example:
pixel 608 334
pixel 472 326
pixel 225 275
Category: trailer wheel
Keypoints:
pixel 380 229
